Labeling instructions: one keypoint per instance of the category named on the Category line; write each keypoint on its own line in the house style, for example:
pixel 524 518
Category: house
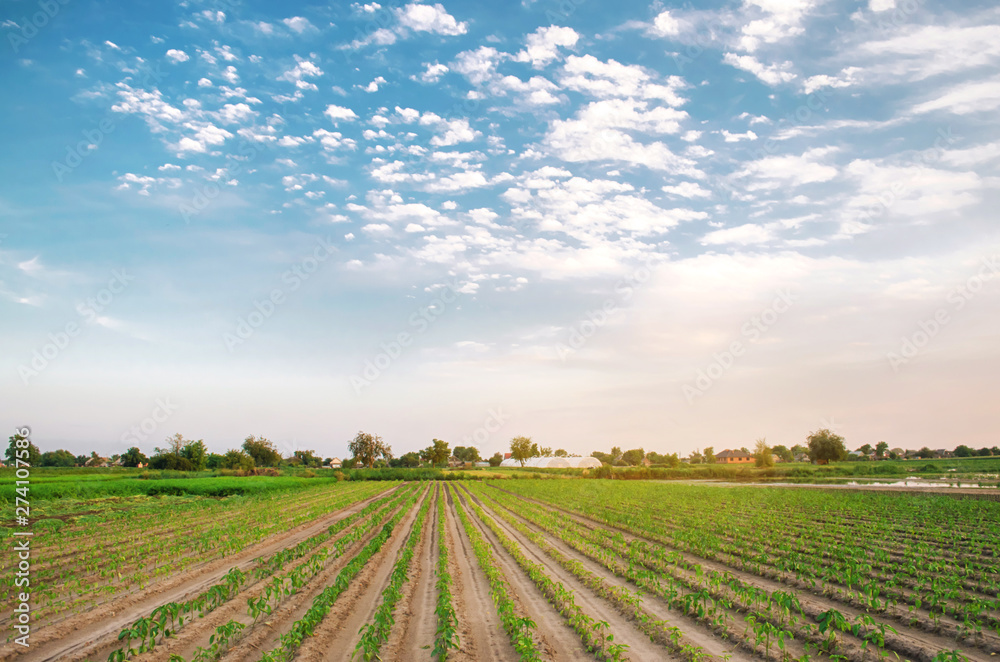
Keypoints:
pixel 455 462
pixel 944 452
pixel 506 456
pixel 733 457
pixel 802 457
pixel 335 463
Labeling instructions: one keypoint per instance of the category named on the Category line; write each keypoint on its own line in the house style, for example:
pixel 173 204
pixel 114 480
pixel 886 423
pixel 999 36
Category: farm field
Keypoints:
pixel 521 570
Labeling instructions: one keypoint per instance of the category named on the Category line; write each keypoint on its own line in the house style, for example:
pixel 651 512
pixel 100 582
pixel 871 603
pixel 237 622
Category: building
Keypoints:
pixel 733 457
pixel 335 463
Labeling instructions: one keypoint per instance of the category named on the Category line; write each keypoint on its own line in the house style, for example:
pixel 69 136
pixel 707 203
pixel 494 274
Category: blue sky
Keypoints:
pixel 596 224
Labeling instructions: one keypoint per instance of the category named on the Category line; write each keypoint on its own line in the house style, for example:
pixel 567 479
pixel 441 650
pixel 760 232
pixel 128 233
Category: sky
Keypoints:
pixel 667 226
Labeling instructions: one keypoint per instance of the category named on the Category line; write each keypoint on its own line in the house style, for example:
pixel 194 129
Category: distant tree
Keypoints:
pixel 467 453
pixel 881 448
pixel 545 451
pixel 633 457
pixel 616 454
pixel 81 460
pixel 763 455
pixel 521 449
pixel 995 451
pixel 866 449
pixel 410 459
pixel 496 459
pixel 826 446
pixel 783 453
pixel 214 461
pixel 560 453
pixel 237 459
pixel 19 443
pixel 349 463
pixel 709 455
pixel 799 449
pixel 196 453
pixel 60 458
pixel 696 457
pixel 604 458
pixel 984 452
pixel 306 458
pixel 926 453
pixel 438 452
pixel 263 452
pixel 133 457
pixel 366 448
pixel 963 451
pixel 96 460
pixel 745 450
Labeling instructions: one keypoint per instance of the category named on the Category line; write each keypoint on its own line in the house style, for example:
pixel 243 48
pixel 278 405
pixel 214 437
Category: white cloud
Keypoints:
pixel 687 190
pixel 302 70
pixel 965 98
pixel 433 73
pixel 543 44
pixel 340 113
pixel 204 82
pixel 775 172
pixel 455 131
pixel 176 56
pixel 614 79
pixel 374 85
pixel 298 24
pixel 334 140
pixel 846 78
pixel 430 18
pixel 479 66
pixel 665 25
pixel 230 75
pixel 737 137
pixel 773 74
pixel 742 235
pixel 881 5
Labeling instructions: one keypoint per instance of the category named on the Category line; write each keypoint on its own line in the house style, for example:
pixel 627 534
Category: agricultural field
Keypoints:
pixel 554 569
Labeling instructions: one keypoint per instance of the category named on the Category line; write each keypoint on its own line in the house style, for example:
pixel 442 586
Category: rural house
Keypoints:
pixel 733 457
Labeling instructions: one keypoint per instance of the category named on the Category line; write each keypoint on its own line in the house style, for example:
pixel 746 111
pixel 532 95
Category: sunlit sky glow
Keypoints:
pixel 590 223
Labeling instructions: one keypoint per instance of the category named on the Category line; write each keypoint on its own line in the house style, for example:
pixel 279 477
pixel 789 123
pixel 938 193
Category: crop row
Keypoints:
pixel 446 637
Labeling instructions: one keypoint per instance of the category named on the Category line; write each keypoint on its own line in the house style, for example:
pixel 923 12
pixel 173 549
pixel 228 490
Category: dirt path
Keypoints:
pixel 909 643
pixel 412 636
pixel 78 637
pixel 558 640
pixel 481 636
pixel 336 636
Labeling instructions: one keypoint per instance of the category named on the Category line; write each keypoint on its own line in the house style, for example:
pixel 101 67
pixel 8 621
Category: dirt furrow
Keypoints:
pixel 336 636
pixel 78 637
pixel 558 640
pixel 412 636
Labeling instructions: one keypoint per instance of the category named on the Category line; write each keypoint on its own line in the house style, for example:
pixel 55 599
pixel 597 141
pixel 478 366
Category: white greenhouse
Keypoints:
pixel 555 463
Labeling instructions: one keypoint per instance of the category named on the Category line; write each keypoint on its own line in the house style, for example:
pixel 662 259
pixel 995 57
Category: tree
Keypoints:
pixel 963 451
pixel 306 458
pixel 133 457
pixel 60 458
pixel 496 459
pixel 880 449
pixel 763 455
pixel 696 457
pixel 214 461
pixel 560 453
pixel 783 453
pixel 984 452
pixel 196 453
pixel 366 448
pixel 603 457
pixel 826 446
pixel 237 459
pixel 866 449
pixel 467 453
pixel 926 453
pixel 799 449
pixel 709 454
pixel 21 448
pixel 80 460
pixel 437 453
pixel 263 452
pixel 521 449
pixel 634 457
pixel 410 459
pixel 616 454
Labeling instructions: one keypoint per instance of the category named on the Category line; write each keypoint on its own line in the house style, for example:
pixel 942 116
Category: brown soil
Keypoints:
pixel 77 637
